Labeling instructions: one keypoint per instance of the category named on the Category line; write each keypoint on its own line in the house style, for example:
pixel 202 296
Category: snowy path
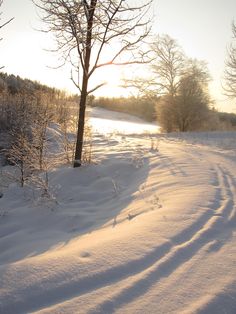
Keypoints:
pixel 143 231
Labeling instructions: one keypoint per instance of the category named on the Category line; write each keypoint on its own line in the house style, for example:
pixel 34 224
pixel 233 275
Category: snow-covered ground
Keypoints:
pixel 111 122
pixel 149 227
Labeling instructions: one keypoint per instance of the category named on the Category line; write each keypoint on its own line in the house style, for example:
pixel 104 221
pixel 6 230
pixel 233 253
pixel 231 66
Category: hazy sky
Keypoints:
pixel 201 27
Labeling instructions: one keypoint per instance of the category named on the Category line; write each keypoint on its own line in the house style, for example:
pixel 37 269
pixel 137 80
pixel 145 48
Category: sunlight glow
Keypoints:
pixel 119 123
pixel 202 32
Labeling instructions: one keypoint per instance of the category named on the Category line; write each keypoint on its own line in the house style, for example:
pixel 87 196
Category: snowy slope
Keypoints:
pixel 119 123
pixel 150 227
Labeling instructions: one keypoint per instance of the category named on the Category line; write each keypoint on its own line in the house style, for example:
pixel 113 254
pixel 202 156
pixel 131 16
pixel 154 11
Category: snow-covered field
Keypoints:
pixel 109 122
pixel 149 227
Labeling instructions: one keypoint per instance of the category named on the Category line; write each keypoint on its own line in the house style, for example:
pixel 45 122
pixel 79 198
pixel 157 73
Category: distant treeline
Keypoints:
pixel 228 118
pixel 12 84
pixel 146 108
pixel 138 106
pixel 22 102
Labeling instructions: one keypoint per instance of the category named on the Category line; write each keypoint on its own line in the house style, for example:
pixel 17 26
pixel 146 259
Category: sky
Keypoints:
pixel 201 27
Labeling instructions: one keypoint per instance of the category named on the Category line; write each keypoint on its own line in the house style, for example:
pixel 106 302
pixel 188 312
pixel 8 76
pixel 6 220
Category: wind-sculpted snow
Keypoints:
pixel 145 229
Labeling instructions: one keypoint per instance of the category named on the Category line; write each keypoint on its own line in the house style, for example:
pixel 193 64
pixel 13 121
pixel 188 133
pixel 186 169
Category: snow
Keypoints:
pixel 148 227
pixel 111 122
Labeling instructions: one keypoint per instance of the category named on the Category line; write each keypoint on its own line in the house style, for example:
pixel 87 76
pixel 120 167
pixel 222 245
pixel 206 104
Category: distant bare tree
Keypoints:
pixel 188 109
pixel 84 29
pixel 191 105
pixel 230 67
pixel 167 64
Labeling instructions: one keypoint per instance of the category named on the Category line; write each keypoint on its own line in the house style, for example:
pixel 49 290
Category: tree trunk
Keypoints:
pixel 81 122
pixel 82 107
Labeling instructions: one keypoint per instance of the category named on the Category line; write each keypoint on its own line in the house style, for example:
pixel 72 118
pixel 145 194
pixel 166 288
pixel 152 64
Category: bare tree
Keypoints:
pixel 191 105
pixel 167 65
pixel 20 155
pixel 92 34
pixel 187 110
pixel 230 67
pixel 39 130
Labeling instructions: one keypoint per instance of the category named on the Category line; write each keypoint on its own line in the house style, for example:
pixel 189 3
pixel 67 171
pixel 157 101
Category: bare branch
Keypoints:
pixel 95 88
pixel 4 24
pixel 76 84
pixel 229 85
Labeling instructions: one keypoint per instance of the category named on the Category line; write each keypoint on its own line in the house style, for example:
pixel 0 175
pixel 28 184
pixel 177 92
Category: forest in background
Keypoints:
pixel 146 108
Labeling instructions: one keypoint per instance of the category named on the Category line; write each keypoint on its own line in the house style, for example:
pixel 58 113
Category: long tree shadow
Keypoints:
pixel 94 195
pixel 214 230
pixel 173 259
pixel 161 262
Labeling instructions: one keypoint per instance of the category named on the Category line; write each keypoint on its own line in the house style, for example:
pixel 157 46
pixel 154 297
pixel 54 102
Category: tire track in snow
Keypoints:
pixel 146 271
pixel 164 259
pixel 181 253
pixel 230 184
